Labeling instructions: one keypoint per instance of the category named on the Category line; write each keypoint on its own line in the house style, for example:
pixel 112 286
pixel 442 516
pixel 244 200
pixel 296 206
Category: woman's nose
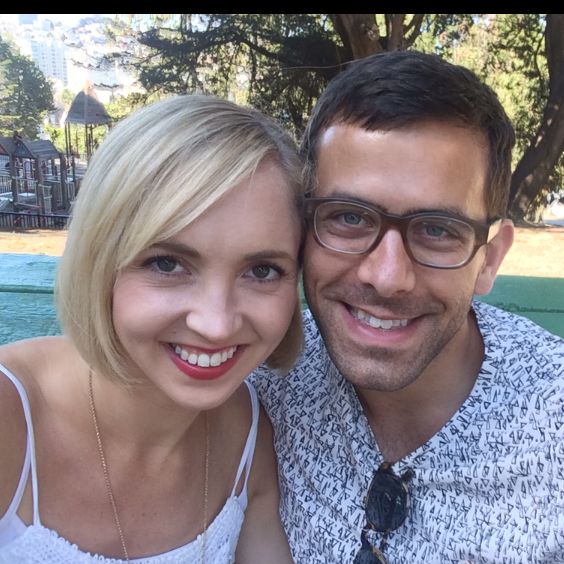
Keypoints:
pixel 214 314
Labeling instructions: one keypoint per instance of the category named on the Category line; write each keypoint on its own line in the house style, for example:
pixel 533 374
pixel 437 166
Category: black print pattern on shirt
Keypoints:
pixel 488 487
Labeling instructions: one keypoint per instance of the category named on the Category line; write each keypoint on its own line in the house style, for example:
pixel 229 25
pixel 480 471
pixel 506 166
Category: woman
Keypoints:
pixel 179 277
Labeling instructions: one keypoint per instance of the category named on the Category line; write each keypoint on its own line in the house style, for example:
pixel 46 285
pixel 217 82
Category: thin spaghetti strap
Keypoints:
pixel 30 450
pixel 17 499
pixel 247 458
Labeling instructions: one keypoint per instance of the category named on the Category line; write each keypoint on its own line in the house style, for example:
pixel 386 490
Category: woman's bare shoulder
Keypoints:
pixel 30 362
pixel 28 359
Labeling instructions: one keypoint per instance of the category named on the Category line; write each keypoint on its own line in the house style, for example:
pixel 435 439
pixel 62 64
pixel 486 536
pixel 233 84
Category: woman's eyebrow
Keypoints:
pixel 269 254
pixel 176 248
pixel 185 250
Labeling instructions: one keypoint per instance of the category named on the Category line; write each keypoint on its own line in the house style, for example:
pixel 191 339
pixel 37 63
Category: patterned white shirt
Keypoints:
pixel 488 487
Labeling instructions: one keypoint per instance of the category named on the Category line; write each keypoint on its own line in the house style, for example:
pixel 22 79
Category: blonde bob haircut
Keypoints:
pixel 155 173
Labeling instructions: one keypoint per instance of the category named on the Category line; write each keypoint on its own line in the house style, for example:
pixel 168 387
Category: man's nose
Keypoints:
pixel 214 314
pixel 388 267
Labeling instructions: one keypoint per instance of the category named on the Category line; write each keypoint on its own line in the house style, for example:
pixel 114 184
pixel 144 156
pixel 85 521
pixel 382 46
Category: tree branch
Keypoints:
pixel 415 24
pixel 395 37
pixel 540 158
pixel 359 33
pixel 554 47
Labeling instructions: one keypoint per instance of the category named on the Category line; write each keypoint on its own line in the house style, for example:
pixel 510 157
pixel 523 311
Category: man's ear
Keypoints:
pixel 496 250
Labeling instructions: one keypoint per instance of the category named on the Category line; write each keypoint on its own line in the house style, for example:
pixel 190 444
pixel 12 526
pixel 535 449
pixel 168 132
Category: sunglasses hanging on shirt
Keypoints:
pixel 386 505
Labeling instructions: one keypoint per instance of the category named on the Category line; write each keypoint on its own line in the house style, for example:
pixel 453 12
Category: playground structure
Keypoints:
pixel 85 114
pixel 33 177
pixel 36 178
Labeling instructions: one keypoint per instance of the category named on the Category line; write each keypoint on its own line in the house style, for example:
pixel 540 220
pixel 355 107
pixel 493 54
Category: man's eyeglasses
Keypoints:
pixel 386 505
pixel 437 240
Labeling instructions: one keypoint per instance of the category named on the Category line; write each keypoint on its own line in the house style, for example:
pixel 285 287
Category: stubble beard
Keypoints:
pixel 385 370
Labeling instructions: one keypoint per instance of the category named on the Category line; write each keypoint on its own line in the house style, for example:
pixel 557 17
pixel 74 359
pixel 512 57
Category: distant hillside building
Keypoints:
pixel 49 55
pixel 27 19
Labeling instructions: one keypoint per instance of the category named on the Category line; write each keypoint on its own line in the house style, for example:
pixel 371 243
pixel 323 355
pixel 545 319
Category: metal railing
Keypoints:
pixel 33 220
pixel 5 184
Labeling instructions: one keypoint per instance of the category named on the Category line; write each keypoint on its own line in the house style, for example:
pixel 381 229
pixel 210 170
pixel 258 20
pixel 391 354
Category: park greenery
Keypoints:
pixel 280 63
pixel 25 94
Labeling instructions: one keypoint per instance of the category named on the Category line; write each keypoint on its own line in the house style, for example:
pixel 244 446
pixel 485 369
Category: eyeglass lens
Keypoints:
pixel 434 240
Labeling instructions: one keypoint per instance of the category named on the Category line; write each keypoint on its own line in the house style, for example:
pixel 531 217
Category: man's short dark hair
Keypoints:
pixel 394 90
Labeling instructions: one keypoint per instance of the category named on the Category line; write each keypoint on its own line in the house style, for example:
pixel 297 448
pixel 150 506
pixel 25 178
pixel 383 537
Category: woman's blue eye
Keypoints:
pixel 166 264
pixel 163 265
pixel 261 271
pixel 264 273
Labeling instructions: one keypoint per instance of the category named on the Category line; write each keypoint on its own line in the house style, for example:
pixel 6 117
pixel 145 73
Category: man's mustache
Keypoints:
pixel 366 296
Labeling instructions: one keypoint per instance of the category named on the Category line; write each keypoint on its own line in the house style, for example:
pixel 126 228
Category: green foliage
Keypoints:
pixel 507 53
pixel 57 136
pixel 67 98
pixel 25 94
pixel 120 107
pixel 280 63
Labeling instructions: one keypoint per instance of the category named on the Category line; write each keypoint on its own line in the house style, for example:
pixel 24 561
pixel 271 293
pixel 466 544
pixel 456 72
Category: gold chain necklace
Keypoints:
pixel 109 486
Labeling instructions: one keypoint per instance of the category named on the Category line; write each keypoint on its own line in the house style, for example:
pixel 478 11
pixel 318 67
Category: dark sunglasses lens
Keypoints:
pixel 365 556
pixel 387 502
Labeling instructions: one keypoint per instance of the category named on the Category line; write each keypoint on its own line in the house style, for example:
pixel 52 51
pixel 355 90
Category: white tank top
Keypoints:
pixel 20 544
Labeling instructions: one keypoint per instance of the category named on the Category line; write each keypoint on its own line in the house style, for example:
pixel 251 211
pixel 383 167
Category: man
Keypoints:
pixel 415 392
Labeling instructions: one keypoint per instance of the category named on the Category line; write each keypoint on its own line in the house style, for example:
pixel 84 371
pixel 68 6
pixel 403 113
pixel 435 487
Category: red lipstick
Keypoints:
pixel 200 372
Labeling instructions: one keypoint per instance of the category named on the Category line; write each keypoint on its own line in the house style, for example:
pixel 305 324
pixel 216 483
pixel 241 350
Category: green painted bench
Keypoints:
pixel 26 298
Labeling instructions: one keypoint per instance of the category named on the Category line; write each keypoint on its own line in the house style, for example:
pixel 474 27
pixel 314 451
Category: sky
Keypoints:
pixel 66 19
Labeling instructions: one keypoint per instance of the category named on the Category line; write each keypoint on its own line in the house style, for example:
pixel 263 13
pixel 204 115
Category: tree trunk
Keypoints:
pixel 361 36
pixel 359 33
pixel 540 158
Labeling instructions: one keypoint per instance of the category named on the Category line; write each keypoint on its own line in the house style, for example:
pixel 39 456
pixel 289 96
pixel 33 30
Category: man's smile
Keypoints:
pixel 385 324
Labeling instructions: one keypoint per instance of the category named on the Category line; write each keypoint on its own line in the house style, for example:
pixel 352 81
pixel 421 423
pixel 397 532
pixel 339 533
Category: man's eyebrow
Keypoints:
pixel 455 210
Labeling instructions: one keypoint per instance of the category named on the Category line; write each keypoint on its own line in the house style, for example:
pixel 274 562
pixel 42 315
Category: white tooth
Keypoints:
pixel 386 323
pixel 177 349
pixel 231 352
pixel 193 358
pixel 215 359
pixel 395 322
pixel 203 360
pixel 374 322
pixel 184 355
pixel 223 356
pixel 360 314
pixel 403 322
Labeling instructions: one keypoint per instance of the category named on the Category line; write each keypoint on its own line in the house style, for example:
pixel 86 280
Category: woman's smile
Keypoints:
pixel 204 358
pixel 205 365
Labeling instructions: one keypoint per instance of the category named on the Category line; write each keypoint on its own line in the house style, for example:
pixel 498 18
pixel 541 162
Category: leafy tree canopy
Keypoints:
pixel 25 94
pixel 280 63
